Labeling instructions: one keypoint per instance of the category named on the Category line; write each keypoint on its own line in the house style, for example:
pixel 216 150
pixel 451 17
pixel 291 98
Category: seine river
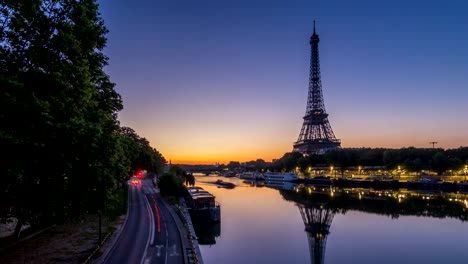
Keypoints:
pixel 318 224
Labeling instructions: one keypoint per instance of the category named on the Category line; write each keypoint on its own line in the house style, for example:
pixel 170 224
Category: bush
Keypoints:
pixel 170 185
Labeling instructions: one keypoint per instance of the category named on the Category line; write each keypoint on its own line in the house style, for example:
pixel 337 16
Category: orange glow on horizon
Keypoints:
pixel 207 158
pixel 211 160
pixel 222 143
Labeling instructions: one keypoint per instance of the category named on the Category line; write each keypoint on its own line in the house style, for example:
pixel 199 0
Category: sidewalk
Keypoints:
pixel 196 256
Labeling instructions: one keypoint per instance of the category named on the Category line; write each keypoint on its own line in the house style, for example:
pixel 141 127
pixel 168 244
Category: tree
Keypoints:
pixel 59 135
pixel 415 165
pixel 392 158
pixel 303 164
pixel 233 165
pixel 440 163
pixel 170 185
pixel 339 158
pixel 177 171
pixel 289 160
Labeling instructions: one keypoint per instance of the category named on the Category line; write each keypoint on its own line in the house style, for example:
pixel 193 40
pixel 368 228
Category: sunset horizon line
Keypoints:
pixel 209 161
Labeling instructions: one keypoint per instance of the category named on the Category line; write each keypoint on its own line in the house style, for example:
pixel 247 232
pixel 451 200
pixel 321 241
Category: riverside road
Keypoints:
pixel 150 233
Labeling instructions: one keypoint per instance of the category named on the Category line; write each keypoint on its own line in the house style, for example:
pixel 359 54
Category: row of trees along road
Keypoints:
pixel 411 159
pixel 62 150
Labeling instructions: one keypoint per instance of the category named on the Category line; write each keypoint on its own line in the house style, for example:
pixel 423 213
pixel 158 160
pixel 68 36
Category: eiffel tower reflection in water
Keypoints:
pixel 317 220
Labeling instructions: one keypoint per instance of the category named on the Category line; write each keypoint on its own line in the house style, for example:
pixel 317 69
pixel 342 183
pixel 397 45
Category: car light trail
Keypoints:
pixel 158 217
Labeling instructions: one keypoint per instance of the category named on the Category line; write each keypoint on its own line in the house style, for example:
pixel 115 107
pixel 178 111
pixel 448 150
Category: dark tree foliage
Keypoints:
pixel 255 165
pixel 188 178
pixel 412 159
pixel 233 165
pixel 289 161
pixel 303 163
pixel 170 185
pixel 341 159
pixel 61 149
pixel 172 182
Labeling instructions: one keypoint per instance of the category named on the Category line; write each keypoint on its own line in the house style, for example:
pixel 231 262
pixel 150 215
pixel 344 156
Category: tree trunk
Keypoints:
pixel 18 227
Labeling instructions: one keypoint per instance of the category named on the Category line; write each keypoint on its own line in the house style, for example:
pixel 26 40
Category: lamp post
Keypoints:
pixel 331 170
pixel 465 170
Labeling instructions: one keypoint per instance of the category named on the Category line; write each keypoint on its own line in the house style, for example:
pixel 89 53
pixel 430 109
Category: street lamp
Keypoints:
pixel 359 170
pixel 465 170
pixel 331 170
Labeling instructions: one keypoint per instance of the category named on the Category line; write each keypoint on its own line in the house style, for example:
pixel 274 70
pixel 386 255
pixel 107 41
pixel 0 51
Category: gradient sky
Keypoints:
pixel 211 81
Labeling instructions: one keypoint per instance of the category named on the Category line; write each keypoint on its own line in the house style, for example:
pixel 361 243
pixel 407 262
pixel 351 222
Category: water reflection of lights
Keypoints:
pixel 399 196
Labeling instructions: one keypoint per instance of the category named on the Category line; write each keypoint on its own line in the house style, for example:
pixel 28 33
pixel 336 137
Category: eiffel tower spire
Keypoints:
pixel 316 136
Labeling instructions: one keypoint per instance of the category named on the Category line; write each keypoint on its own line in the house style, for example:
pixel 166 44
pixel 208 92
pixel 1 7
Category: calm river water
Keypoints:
pixel 313 224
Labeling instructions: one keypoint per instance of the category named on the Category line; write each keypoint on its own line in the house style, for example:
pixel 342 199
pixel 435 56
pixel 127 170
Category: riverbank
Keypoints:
pixel 71 242
pixel 194 253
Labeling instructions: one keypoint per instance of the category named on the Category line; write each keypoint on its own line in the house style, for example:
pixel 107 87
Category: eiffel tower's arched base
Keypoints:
pixel 317 146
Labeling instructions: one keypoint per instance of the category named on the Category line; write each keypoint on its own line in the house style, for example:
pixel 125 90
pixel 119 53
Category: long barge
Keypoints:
pixel 202 205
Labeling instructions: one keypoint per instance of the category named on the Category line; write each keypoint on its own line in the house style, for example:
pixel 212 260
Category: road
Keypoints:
pixel 150 234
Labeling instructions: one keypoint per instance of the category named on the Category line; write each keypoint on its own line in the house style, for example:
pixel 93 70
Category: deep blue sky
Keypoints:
pixel 216 80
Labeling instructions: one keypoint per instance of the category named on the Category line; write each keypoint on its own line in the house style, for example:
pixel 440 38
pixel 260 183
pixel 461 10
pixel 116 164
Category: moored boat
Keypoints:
pixel 202 205
pixel 251 176
pixel 288 176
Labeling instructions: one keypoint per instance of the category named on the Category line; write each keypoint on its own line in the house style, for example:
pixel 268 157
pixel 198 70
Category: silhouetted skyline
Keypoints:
pixel 209 81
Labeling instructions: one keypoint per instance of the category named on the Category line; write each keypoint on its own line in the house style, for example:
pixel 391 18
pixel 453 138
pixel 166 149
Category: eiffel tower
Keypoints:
pixel 316 135
pixel 317 221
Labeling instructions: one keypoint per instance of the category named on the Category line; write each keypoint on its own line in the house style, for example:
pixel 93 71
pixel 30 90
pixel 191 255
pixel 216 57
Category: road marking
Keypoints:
pixel 150 212
pixel 167 243
pixel 151 236
pixel 158 252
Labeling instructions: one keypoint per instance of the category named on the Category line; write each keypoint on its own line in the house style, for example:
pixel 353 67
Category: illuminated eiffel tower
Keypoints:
pixel 317 221
pixel 316 136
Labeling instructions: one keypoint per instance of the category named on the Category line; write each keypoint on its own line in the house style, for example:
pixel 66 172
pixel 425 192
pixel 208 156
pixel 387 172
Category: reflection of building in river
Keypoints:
pixel 317 221
pixel 319 204
pixel 392 203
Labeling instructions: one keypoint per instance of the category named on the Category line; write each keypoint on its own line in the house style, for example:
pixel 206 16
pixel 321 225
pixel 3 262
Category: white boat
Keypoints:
pixel 286 177
pixel 250 176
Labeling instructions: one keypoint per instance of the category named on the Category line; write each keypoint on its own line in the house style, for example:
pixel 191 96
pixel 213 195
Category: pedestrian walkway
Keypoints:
pixel 194 255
